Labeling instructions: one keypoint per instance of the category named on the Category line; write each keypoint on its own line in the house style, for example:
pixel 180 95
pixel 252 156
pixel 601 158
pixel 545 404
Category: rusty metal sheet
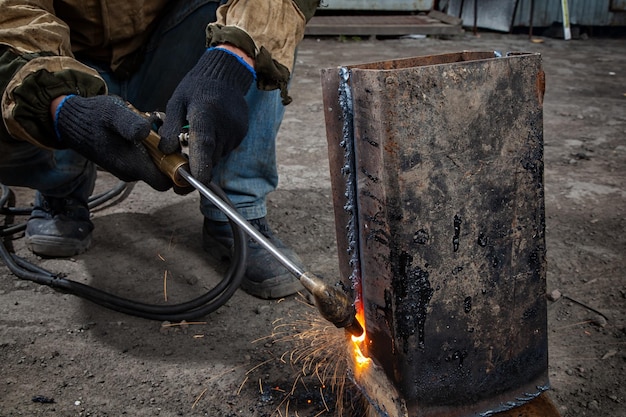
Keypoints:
pixel 383 25
pixel 387 5
pixel 448 251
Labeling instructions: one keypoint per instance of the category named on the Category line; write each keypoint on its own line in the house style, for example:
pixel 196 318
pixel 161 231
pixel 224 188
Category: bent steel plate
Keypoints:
pixel 437 174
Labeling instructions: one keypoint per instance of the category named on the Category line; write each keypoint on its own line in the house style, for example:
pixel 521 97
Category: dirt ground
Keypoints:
pixel 64 356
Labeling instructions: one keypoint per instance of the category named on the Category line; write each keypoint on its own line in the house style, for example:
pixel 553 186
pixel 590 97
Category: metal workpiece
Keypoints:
pixel 437 174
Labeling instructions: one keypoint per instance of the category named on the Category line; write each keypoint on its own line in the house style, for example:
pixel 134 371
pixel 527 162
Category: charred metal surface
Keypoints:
pixel 449 206
pixel 380 391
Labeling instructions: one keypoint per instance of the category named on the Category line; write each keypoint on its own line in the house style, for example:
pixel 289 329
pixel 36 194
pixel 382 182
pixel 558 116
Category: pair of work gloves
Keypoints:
pixel 209 99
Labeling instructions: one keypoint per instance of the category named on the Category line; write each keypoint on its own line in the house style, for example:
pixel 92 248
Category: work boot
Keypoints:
pixel 58 227
pixel 265 277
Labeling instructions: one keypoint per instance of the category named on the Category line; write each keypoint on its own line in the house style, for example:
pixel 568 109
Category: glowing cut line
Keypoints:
pixel 360 359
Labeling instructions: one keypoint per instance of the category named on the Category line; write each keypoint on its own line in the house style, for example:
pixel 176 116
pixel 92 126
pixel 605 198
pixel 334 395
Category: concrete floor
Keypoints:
pixel 96 362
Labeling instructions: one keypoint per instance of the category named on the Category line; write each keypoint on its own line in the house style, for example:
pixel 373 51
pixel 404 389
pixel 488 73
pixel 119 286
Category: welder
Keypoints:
pixel 69 68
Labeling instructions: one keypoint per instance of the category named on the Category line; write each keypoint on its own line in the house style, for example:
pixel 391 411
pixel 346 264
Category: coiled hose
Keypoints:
pixel 193 309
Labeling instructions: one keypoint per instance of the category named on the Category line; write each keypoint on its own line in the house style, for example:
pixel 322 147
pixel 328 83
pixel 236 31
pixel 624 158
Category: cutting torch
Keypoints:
pixel 331 301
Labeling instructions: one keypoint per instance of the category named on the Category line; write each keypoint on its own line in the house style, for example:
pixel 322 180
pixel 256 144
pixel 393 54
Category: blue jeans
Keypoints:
pixel 247 175
pixel 54 173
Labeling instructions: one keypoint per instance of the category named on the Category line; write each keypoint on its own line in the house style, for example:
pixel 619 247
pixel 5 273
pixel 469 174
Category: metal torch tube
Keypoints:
pixel 332 303
pixel 233 215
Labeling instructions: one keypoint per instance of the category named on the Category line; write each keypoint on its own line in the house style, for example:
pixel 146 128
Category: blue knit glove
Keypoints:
pixel 210 99
pixel 104 130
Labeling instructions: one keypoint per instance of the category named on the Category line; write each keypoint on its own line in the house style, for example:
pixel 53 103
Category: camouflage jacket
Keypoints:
pixel 39 40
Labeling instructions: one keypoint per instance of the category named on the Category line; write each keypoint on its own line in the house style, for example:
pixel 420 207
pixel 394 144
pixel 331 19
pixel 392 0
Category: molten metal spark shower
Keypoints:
pixel 321 356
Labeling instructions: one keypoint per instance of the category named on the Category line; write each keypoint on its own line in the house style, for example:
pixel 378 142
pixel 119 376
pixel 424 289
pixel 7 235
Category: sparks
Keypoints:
pixel 322 354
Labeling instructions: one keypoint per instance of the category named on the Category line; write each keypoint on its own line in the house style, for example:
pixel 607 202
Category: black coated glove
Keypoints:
pixel 104 130
pixel 210 98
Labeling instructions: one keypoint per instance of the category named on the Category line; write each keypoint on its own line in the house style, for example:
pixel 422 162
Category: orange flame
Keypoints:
pixel 360 359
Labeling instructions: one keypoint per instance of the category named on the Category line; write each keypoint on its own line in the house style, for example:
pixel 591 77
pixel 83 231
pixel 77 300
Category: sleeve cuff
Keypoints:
pixel 270 74
pixel 26 100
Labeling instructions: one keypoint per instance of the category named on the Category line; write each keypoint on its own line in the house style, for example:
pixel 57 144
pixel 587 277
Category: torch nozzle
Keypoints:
pixel 333 304
pixel 354 328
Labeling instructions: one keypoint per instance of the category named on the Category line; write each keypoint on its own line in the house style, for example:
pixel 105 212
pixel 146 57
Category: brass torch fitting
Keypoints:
pixel 168 164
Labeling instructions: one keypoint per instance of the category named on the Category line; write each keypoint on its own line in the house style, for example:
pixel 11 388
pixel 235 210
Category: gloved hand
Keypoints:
pixel 210 98
pixel 104 130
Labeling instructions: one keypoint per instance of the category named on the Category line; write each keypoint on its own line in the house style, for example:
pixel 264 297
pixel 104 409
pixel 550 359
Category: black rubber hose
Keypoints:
pixel 193 309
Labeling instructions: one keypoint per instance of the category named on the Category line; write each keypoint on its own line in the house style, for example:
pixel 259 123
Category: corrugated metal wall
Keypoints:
pixel 581 12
